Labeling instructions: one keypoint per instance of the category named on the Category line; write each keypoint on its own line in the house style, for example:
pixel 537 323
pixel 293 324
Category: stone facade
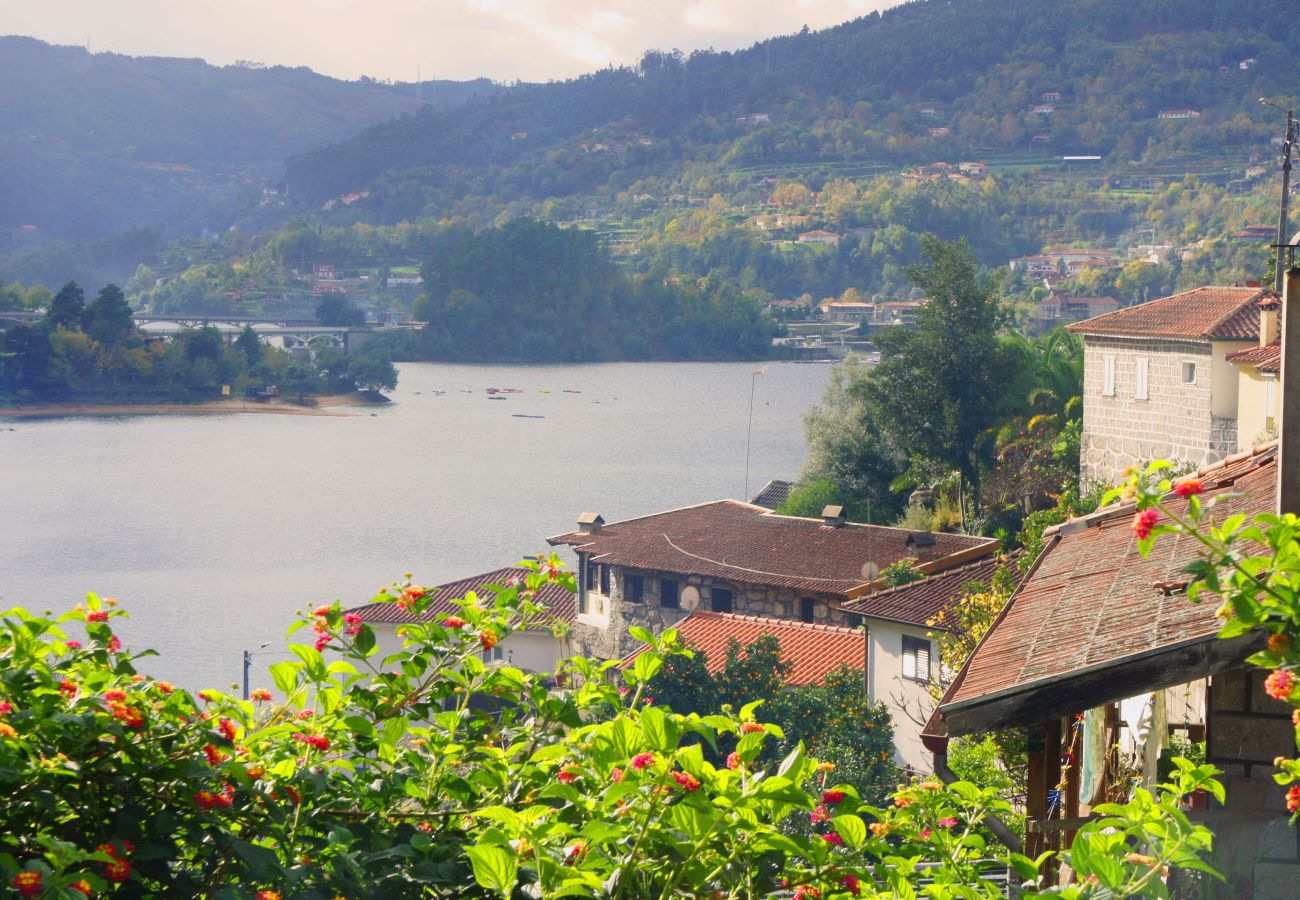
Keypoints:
pixel 604 620
pixel 1178 420
pixel 1255 846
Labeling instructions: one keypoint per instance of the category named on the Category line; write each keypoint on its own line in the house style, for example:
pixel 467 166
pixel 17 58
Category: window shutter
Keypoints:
pixel 1108 376
pixel 1140 390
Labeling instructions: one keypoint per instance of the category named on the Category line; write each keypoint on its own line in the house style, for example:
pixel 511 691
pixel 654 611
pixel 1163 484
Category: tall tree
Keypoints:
pixel 67 308
pixel 250 345
pixel 937 387
pixel 108 318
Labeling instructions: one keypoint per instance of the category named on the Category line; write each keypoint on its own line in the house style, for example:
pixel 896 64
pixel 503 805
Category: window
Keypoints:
pixel 721 600
pixel 916 659
pixel 807 608
pixel 1189 373
pixel 1108 376
pixel 1270 401
pixel 604 580
pixel 634 588
pixel 589 573
pixel 491 655
pixel 668 595
pixel 1140 387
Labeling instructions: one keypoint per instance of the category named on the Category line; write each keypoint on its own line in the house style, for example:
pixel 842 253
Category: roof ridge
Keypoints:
pixel 1252 299
pixel 664 512
pixel 765 620
pixel 999 559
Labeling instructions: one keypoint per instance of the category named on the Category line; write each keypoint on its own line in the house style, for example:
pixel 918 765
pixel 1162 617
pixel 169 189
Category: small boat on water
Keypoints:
pixel 525 416
pixel 571 391
pixel 498 398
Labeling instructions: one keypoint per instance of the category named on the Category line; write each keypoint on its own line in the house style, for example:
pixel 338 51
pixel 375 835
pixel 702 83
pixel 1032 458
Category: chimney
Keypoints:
pixel 1288 449
pixel 833 516
pixel 589 523
pixel 920 544
pixel 1269 309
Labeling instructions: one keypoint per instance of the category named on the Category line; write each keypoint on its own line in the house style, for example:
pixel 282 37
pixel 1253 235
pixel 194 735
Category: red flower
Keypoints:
pixel 1293 798
pixel 28 884
pixel 322 642
pixel 67 688
pixel 688 781
pixel 73 645
pixel 819 815
pixel 641 760
pixel 1279 684
pixel 209 800
pixel 305 714
pixel 82 886
pixel 575 852
pixel 267 895
pixel 1189 487
pixel 850 883
pixel 1144 521
pixel 118 871
pixel 321 611
pixel 127 715
pixel 753 728
pixel 5 708
pixel 1278 642
pixel 831 797
pixel 318 741
pixel 97 615
pixel 260 695
pixel 487 639
pixel 214 755
pixel 568 775
pixel 454 622
pixel 616 774
pixel 227 729
pixel 833 839
pixel 116 694
pixel 804 892
pixel 354 623
pixel 165 687
pixel 114 645
pixel 733 760
pixel 949 822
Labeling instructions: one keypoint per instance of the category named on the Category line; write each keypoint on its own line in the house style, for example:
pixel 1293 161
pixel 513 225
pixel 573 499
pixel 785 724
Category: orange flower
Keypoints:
pixel 1293 799
pixel 1188 487
pixel 1278 642
pixel 487 639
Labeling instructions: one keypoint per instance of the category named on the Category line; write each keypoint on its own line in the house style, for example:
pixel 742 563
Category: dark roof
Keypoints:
pixel 809 651
pixel 746 544
pixel 557 600
pixel 1262 359
pixel 1205 313
pixel 919 602
pixel 1090 605
pixel 773 494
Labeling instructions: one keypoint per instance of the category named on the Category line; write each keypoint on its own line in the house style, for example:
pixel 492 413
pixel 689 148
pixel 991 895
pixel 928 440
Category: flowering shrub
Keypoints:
pixel 432 774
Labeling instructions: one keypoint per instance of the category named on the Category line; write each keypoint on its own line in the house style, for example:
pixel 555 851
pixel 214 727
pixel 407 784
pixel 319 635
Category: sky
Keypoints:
pixel 506 40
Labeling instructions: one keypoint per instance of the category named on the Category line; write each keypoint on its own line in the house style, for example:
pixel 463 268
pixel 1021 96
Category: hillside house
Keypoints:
pixel 973 169
pixel 1259 394
pixel 729 556
pixel 1043 109
pixel 1179 114
pixel 940 131
pixel 1096 624
pixel 849 311
pixel 1051 97
pixel 820 236
pixel 535 649
pixel 1157 382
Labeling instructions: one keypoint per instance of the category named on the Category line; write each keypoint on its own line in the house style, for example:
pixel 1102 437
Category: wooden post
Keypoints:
pixel 1052 777
pixel 1288 450
pixel 1035 789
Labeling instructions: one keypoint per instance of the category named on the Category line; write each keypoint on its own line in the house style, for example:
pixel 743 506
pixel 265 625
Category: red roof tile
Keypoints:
pixel 1090 600
pixel 557 600
pixel 808 651
pixel 919 602
pixel 1211 313
pixel 1261 359
pixel 746 544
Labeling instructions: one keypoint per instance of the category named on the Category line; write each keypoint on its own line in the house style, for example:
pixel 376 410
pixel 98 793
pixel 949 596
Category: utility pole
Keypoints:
pixel 1279 270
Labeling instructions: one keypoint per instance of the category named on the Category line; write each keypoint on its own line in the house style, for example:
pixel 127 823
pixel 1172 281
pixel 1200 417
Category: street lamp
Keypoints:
pixel 248 664
pixel 749 433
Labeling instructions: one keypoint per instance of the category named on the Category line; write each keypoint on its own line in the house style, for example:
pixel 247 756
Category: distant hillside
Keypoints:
pixel 92 144
pixel 933 79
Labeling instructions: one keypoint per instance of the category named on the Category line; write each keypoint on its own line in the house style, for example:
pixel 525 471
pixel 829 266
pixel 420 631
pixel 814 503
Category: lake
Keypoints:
pixel 212 530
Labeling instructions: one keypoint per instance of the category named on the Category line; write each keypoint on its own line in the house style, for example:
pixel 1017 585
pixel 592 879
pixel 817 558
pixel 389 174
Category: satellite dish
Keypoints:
pixel 870 571
pixel 690 598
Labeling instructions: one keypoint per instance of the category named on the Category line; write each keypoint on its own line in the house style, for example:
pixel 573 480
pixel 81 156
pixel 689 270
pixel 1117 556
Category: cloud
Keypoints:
pixel 532 40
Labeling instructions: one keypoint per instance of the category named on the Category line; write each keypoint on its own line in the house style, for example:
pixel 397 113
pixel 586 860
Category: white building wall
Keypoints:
pixel 534 651
pixel 909 701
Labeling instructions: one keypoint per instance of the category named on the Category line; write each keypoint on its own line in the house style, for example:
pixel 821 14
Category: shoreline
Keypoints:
pixel 325 406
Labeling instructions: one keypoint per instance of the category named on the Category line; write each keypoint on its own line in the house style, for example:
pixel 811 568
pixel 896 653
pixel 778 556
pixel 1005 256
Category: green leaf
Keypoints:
pixel 285 675
pixel 313 662
pixel 793 762
pixel 494 868
pixel 656 728
pixel 360 725
pixel 851 828
pixel 642 635
pixel 647 665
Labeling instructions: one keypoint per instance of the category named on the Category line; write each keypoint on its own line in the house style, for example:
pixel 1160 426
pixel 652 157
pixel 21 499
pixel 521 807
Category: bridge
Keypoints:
pixel 288 333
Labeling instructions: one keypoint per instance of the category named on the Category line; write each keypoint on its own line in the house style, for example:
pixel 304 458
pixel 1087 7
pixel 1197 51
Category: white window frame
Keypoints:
pixel 916 657
pixel 1108 375
pixel 1142 381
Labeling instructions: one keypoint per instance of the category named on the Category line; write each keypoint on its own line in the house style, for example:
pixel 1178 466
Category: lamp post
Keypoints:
pixel 1282 238
pixel 749 433
pixel 248 664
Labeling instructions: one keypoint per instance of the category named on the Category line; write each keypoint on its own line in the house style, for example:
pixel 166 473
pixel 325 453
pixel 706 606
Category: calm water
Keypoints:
pixel 212 530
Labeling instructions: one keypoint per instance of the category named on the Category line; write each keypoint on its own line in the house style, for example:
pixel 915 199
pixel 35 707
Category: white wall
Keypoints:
pixel 536 651
pixel 909 701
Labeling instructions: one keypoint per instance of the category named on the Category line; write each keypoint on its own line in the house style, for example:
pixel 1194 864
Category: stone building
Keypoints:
pixel 1157 381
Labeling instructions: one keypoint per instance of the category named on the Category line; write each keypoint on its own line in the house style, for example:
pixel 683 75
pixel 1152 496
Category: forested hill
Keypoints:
pixel 94 143
pixel 880 88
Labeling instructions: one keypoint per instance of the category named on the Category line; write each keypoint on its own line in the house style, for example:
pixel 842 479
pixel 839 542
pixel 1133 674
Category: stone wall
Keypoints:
pixel 1175 422
pixel 1254 844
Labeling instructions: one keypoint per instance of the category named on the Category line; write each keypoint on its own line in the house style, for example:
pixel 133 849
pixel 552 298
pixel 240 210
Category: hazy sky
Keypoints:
pixel 501 39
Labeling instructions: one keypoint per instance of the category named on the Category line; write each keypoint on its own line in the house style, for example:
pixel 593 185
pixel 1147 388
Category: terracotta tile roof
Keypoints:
pixel 561 604
pixel 809 651
pixel 746 544
pixel 1262 359
pixel 1091 599
pixel 773 494
pixel 1209 313
pixel 919 602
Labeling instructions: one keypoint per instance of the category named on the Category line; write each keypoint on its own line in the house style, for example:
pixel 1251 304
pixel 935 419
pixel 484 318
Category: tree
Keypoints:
pixel 372 372
pixel 250 345
pixel 937 387
pixel 67 308
pixel 108 318
pixel 300 378
pixel 335 310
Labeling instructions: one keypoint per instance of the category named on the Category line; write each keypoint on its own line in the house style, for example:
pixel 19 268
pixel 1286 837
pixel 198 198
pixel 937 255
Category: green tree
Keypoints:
pixel 372 372
pixel 108 317
pixel 300 379
pixel 67 308
pixel 937 387
pixel 249 344
pixel 335 310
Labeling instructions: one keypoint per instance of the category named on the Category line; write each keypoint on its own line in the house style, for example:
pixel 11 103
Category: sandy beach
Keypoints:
pixel 334 405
